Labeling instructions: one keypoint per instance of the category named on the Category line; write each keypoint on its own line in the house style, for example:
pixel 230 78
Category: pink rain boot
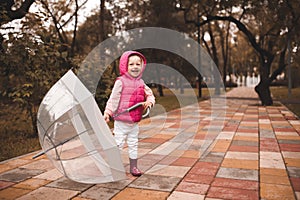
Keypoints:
pixel 133 168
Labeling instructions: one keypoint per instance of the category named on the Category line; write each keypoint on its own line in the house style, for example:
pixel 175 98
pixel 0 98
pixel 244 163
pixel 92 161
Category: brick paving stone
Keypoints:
pixel 12 193
pixel 288 154
pixel 149 160
pixel 283 143
pixel 18 161
pixel 50 175
pixel 246 137
pixel 232 193
pixel 230 128
pixel 221 146
pixel 49 193
pixel 242 155
pixel 166 148
pixel 245 143
pixel 184 195
pixel 237 173
pixel 141 152
pixel 31 184
pixel 183 136
pixel 214 157
pixel 182 161
pixel 266 134
pixel 4 168
pixel 169 159
pixel 138 194
pixel 191 154
pixel 295 183
pixel 177 153
pixel 241 164
pixel 154 140
pixel 290 162
pixel 271 160
pixel 152 182
pixel 273 172
pixel 284 129
pixel 269 144
pixel 226 135
pixel 235 183
pixel 199 178
pixel 266 127
pixel 148 145
pixel 238 148
pixel 5 184
pixel 288 137
pixel 294 171
pixel 297 195
pixel 119 185
pixel 166 136
pixel 41 164
pixel 277 180
pixel 195 188
pixel 80 198
pixel 166 170
pixel 19 174
pixel 98 192
pixel 247 130
pixel 64 183
pixel 205 168
pixel 273 191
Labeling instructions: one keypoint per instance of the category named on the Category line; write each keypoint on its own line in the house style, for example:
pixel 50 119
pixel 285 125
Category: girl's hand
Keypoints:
pixel 147 104
pixel 106 117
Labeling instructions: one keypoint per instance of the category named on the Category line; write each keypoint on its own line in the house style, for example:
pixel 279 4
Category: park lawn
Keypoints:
pixel 15 127
pixel 292 102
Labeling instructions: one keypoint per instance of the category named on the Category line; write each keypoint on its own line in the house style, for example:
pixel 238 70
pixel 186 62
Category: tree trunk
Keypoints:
pixel 102 31
pixel 263 87
pixel 160 90
pixel 33 117
pixel 158 82
pixel 263 91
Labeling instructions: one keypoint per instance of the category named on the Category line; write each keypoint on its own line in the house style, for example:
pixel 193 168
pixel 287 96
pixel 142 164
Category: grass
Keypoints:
pixel 14 132
pixel 173 99
pixel 292 102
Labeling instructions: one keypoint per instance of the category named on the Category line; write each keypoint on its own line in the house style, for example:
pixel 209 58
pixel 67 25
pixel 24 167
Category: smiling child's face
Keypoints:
pixel 135 65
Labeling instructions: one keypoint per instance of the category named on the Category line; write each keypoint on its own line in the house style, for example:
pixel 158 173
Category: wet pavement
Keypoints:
pixel 247 152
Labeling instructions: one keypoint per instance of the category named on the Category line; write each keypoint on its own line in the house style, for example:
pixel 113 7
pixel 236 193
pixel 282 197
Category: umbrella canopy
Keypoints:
pixel 74 135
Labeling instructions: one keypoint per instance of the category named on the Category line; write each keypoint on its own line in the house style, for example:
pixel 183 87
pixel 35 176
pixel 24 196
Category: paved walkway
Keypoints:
pixel 249 152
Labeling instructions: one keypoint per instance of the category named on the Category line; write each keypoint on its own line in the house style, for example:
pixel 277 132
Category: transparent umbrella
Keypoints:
pixel 74 135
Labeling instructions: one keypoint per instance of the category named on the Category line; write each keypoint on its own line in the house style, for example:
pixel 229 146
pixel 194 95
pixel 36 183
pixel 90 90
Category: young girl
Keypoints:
pixel 129 89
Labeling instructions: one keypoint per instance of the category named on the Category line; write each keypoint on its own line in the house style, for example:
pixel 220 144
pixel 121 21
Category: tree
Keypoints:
pixel 64 17
pixel 31 63
pixel 33 57
pixel 96 28
pixel 156 13
pixel 266 24
pixel 10 10
pixel 8 13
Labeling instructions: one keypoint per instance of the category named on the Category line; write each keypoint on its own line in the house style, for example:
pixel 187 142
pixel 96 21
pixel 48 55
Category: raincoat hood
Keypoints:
pixel 123 66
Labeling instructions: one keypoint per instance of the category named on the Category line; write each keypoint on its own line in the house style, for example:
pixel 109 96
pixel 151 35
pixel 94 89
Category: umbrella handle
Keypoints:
pixel 134 107
pixel 138 105
pixel 147 113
